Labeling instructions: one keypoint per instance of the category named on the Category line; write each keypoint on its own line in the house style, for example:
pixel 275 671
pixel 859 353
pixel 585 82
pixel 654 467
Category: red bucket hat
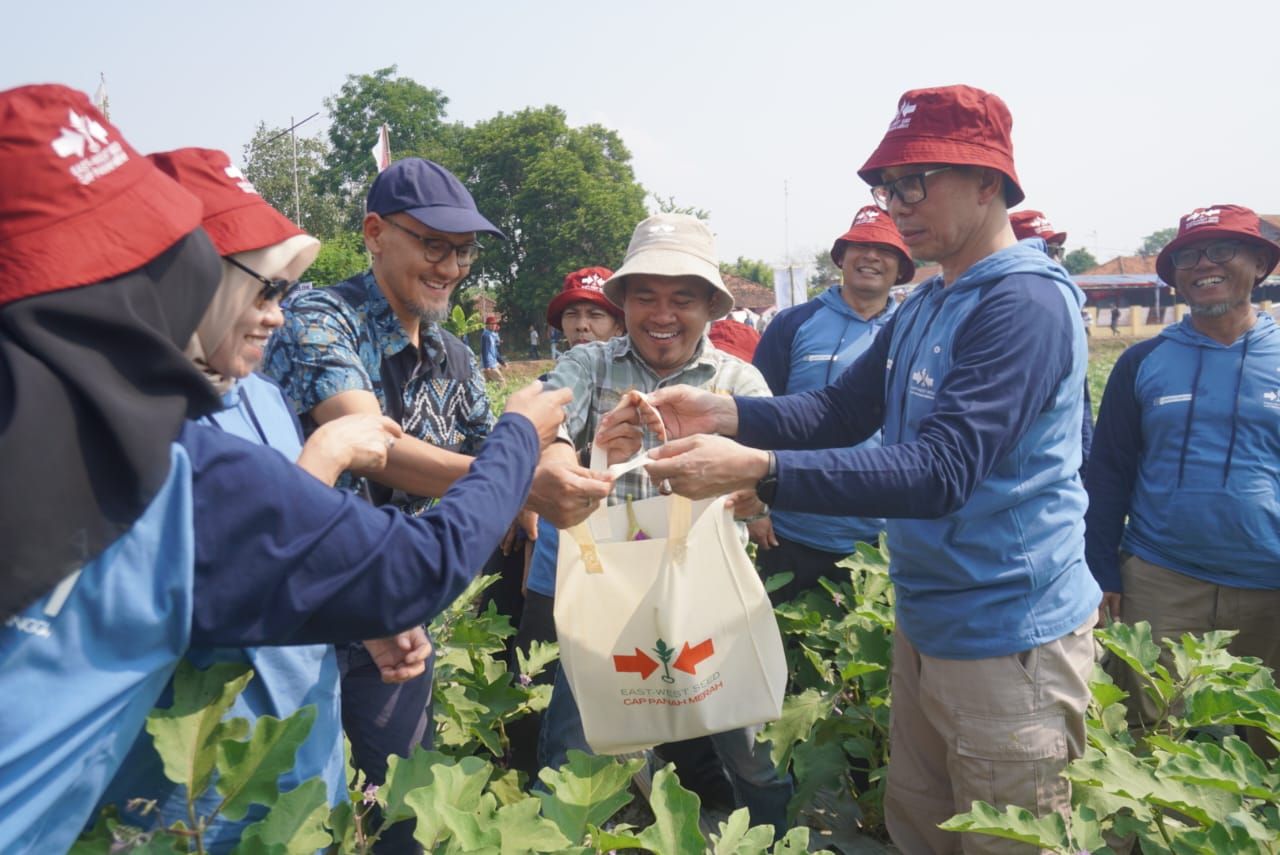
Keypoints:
pixel 734 337
pixel 1029 224
pixel 1235 222
pixel 948 124
pixel 80 205
pixel 585 284
pixel 235 216
pixel 872 225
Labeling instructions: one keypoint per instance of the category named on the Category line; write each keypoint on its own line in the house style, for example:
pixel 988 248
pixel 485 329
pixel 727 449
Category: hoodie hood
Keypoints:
pixel 1184 332
pixel 833 299
pixel 1026 256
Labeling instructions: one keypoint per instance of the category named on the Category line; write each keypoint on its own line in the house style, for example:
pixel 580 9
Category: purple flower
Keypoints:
pixel 370 795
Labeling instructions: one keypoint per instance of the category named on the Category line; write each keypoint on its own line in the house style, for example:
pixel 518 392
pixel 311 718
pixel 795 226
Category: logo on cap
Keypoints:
pixel 85 134
pixel 661 228
pixel 903 117
pixel 594 281
pixel 1040 224
pixel 865 216
pixel 1202 217
pixel 234 173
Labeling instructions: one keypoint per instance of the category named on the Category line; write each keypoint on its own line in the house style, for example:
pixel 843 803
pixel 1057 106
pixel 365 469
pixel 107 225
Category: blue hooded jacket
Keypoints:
pixel 1187 446
pixel 806 347
pixel 285 679
pixel 977 386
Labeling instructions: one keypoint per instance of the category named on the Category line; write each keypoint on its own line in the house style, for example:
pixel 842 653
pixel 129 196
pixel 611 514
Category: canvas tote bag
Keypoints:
pixel 669 637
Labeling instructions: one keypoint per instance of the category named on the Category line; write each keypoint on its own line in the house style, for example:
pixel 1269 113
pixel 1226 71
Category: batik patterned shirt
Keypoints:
pixel 346 338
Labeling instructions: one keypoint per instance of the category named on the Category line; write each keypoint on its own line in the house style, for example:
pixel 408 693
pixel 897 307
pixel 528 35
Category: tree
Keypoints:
pixel 414 115
pixel 565 197
pixel 341 256
pixel 268 163
pixel 1078 261
pixel 1156 241
pixel 825 273
pixel 668 205
pixel 751 269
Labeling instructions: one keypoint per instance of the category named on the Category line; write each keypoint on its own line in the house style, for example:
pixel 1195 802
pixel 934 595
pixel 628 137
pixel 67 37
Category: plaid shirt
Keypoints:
pixel 347 337
pixel 601 372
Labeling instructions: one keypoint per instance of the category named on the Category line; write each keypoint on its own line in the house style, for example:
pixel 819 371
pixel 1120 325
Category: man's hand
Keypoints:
pixel 544 409
pixel 703 466
pixel 566 493
pixel 1109 608
pixel 360 441
pixel 621 430
pixel 687 411
pixel 401 657
pixel 745 504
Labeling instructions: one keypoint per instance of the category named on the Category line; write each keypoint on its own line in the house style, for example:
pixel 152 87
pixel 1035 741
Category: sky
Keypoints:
pixel 1126 114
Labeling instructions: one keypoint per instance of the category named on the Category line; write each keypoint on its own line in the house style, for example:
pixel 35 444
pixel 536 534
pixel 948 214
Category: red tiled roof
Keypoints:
pixel 748 294
pixel 1124 265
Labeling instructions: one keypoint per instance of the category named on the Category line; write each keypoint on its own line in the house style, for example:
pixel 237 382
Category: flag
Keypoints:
pixel 382 151
pixel 100 96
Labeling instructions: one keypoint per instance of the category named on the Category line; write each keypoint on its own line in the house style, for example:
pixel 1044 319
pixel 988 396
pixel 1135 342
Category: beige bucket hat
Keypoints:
pixel 673 245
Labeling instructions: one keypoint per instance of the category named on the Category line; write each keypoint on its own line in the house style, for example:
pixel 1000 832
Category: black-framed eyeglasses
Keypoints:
pixel 272 289
pixel 909 189
pixel 1219 252
pixel 1056 251
pixel 438 249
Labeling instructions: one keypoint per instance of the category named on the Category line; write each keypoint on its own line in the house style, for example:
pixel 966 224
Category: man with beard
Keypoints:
pixel 374 344
pixel 1186 450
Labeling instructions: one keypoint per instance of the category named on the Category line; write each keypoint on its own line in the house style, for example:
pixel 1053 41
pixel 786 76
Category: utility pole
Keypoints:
pixel 292 131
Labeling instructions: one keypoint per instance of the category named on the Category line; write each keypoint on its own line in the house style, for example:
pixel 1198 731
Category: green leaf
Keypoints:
pixel 799 714
pixel 187 732
pixel 603 840
pixel 585 791
pixel 675 812
pixel 295 825
pixel 540 655
pixel 406 774
pixel 449 793
pixel 736 837
pixel 521 830
pixel 1132 643
pixel 818 764
pixel 506 787
pixel 1233 767
pixel 797 841
pixel 1121 773
pixel 774 581
pixel 249 772
pixel 1015 823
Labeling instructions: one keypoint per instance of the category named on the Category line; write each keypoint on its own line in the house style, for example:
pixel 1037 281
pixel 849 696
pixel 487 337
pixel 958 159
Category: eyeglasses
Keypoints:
pixel 909 189
pixel 438 249
pixel 1218 253
pixel 1056 251
pixel 272 289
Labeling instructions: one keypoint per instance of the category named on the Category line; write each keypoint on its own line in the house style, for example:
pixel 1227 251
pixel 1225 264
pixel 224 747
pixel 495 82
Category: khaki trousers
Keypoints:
pixel 1174 603
pixel 998 729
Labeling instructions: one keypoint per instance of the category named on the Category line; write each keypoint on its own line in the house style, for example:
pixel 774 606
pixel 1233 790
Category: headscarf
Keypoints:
pixel 237 291
pixel 94 388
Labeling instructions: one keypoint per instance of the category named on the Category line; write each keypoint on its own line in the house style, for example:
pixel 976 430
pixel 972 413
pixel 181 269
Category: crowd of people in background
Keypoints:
pixel 206 463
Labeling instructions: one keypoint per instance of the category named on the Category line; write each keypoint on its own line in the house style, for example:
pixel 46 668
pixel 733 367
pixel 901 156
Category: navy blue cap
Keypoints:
pixel 430 194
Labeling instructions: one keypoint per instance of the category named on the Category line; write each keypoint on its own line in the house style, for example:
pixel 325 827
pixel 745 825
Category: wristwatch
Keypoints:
pixel 767 487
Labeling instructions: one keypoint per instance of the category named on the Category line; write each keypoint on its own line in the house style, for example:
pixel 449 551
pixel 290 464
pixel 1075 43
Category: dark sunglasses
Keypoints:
pixel 272 289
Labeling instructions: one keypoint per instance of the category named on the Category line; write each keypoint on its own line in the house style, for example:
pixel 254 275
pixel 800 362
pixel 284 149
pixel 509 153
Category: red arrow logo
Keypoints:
pixel 640 663
pixel 689 657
